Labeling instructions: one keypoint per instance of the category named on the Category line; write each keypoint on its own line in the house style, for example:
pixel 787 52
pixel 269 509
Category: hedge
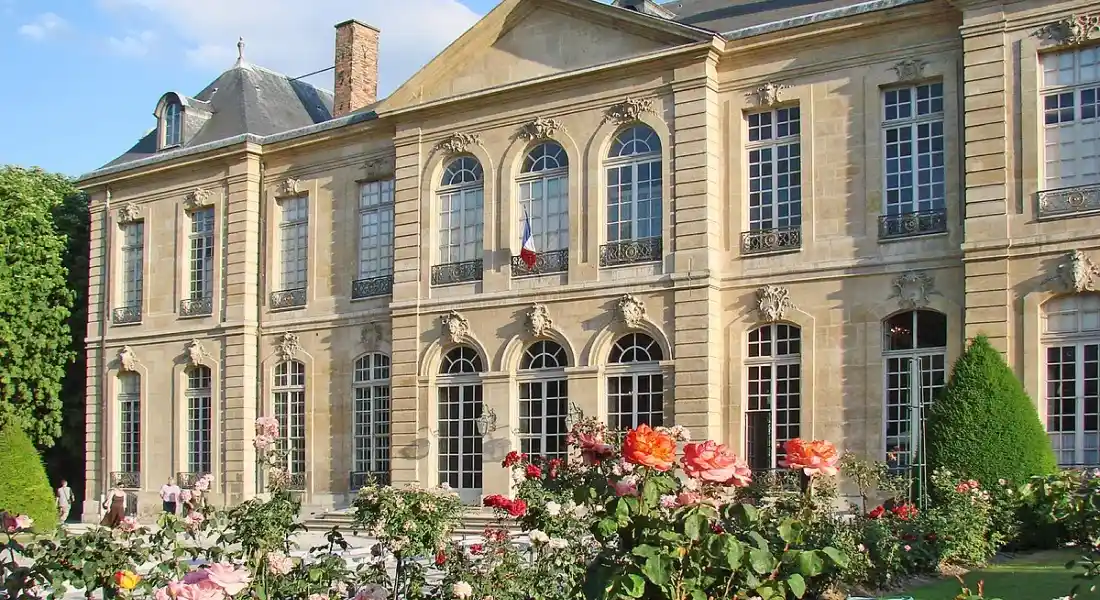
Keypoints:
pixel 24 487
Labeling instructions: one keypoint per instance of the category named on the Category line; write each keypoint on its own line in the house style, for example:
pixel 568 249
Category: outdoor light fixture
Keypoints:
pixel 574 416
pixel 487 422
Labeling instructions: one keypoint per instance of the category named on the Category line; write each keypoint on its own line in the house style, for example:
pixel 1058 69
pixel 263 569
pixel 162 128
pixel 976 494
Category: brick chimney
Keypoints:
pixel 356 67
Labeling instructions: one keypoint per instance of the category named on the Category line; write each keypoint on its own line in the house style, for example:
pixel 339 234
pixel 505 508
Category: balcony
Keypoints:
pixel 459 272
pixel 1069 201
pixel 126 315
pixel 912 224
pixel 628 252
pixel 780 239
pixel 188 480
pixel 551 261
pixel 372 286
pixel 361 479
pixel 126 480
pixel 196 307
pixel 296 482
pixel 283 299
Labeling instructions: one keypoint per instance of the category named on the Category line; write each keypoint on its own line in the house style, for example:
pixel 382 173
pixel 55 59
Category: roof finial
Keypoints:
pixel 240 50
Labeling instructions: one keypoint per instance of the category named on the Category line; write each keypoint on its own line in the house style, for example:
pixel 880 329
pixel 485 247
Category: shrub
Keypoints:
pixel 24 487
pixel 960 524
pixel 984 426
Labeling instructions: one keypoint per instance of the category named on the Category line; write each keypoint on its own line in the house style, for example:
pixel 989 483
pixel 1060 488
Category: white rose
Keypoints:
pixel 463 590
pixel 538 537
pixel 580 511
pixel 558 543
pixel 553 508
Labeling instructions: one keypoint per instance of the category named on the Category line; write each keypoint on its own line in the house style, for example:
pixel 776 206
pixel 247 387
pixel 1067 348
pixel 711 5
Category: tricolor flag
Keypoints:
pixel 527 252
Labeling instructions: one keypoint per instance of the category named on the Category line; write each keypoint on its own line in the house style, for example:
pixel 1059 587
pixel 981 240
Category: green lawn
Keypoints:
pixel 1039 576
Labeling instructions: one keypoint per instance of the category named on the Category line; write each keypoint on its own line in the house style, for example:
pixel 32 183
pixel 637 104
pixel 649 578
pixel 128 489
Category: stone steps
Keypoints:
pixel 473 523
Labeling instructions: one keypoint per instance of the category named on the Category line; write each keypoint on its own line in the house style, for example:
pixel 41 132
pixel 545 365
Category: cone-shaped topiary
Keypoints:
pixel 983 425
pixel 24 487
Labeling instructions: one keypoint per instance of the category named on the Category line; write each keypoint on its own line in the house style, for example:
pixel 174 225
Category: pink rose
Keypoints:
pixel 202 484
pixel 689 498
pixel 713 462
pixel 263 442
pixel 668 501
pixel 279 563
pixel 224 575
pixel 185 496
pixel 593 448
pixel 13 523
pixel 627 486
pixel 23 522
pixel 267 426
pixel 194 519
pixel 908 548
pixel 128 524
pixel 372 591
pixel 203 590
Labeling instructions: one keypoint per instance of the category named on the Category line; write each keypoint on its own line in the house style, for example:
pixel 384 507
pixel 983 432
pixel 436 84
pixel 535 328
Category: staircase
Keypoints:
pixel 473 522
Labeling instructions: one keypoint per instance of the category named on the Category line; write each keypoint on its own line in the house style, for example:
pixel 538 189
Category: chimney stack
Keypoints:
pixel 356 67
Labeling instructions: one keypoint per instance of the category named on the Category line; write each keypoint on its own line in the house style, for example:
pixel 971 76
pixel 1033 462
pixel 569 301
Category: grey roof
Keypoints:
pixel 246 99
pixel 753 17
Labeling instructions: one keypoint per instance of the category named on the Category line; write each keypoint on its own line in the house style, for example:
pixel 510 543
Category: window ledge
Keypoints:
pixel 1062 203
pixel 287 299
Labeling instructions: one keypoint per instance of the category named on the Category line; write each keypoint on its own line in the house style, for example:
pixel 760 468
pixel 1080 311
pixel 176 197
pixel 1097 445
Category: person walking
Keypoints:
pixel 115 505
pixel 64 501
pixel 170 495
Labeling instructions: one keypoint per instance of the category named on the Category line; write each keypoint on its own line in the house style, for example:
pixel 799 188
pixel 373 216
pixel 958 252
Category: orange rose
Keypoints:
pixel 813 458
pixel 648 448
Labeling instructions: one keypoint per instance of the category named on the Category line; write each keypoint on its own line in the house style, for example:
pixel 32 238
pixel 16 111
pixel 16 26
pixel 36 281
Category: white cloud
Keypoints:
pixel 132 45
pixel 43 26
pixel 296 37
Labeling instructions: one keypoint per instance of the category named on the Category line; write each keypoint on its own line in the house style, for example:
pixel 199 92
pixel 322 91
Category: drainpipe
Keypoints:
pixel 261 285
pixel 104 319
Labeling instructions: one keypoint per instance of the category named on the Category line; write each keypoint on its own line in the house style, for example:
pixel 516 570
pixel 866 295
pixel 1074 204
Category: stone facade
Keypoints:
pixel 714 284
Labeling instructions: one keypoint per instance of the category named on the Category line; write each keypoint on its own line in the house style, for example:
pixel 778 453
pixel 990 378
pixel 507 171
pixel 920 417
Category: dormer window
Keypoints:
pixel 171 124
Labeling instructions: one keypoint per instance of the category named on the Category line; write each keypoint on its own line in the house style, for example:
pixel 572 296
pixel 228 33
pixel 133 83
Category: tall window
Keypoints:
pixel 202 254
pixel 544 196
pixel 199 420
pixel 290 410
pixel 914 160
pixel 543 400
pixel 773 405
pixel 634 185
pixel 460 443
pixel 173 124
pixel 294 240
pixel 1071 339
pixel 372 416
pixel 775 170
pixel 133 264
pixel 1071 101
pixel 915 358
pixel 376 229
pixel 129 404
pixel 635 387
pixel 461 194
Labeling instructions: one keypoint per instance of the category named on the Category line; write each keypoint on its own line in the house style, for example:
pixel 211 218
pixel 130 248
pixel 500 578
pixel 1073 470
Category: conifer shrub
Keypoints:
pixel 24 487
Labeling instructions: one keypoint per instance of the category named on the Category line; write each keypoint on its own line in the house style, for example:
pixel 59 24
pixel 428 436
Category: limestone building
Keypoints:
pixel 758 219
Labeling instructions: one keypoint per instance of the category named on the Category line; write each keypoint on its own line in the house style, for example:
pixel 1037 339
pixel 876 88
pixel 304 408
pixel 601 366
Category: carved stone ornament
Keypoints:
pixel 629 110
pixel 539 322
pixel 910 69
pixel 371 335
pixel 455 327
pixel 913 289
pixel 631 311
pixel 289 346
pixel 289 187
pixel 129 213
pixel 773 302
pixel 1070 31
pixel 195 352
pixel 198 198
pixel 458 142
pixel 1077 274
pixel 127 360
pixel 541 128
pixel 767 94
pixel 377 168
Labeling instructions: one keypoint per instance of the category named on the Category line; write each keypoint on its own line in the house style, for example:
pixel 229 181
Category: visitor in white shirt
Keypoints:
pixel 169 495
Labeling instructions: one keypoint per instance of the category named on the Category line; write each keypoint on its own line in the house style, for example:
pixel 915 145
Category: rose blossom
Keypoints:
pixel 186 495
pixel 908 548
pixel 268 426
pixel 227 577
pixel 263 442
pixel 627 486
pixel 533 471
pixel 279 563
pixel 371 591
pixel 713 462
pixel 538 536
pixel 649 448
pixel 518 508
pixel 558 543
pixel 194 519
pixel 593 448
pixel 512 458
pixel 462 589
pixel 553 508
pixel 202 484
pixel 318 597
pixel 128 523
pixel 812 458
pixel 668 501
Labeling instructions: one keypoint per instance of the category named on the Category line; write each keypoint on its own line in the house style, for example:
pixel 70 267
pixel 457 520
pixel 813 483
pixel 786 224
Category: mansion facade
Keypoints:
pixel 757 219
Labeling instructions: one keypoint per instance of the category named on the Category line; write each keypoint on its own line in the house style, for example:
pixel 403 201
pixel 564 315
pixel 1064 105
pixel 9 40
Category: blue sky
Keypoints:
pixel 82 76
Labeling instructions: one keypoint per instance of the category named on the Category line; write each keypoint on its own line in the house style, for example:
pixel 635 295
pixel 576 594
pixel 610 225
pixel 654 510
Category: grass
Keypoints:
pixel 1040 576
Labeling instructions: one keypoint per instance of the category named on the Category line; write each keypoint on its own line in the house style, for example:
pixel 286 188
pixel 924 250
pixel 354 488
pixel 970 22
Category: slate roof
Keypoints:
pixel 725 16
pixel 245 99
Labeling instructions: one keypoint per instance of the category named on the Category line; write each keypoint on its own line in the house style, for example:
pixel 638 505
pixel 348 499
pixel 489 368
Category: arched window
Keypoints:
pixel 461 200
pixel 129 409
pixel 543 400
pixel 290 410
pixel 914 356
pixel 173 123
pixel 544 203
pixel 1071 342
pixel 372 418
pixel 635 387
pixel 773 403
pixel 200 415
pixel 634 188
pixel 460 458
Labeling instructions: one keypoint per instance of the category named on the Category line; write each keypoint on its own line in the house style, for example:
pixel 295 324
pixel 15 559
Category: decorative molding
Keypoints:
pixel 629 110
pixel 127 360
pixel 541 128
pixel 1070 31
pixel 539 322
pixel 377 168
pixel 289 346
pixel 458 142
pixel 773 302
pixel 1077 274
pixel 198 198
pixel 455 327
pixel 371 336
pixel 767 94
pixel 631 310
pixel 129 213
pixel 289 187
pixel 913 289
pixel 195 352
pixel 910 69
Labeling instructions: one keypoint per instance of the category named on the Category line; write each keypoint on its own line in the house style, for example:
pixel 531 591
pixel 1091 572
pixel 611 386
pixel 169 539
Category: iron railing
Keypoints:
pixel 126 315
pixel 288 298
pixel 372 286
pixel 1069 201
pixel 470 270
pixel 629 252
pixel 188 480
pixel 196 307
pixel 780 239
pixel 551 261
pixel 361 479
pixel 912 224
pixel 126 480
pixel 296 482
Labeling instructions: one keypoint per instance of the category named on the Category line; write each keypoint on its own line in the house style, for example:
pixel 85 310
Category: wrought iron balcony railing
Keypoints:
pixel 126 480
pixel 126 315
pixel 297 482
pixel 370 287
pixel 187 480
pixel 361 479
pixel 470 270
pixel 631 251
pixel 1069 201
pixel 780 239
pixel 294 298
pixel 912 224
pixel 196 307
pixel 551 261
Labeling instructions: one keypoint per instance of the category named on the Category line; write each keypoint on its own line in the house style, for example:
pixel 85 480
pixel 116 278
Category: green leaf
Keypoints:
pixel 646 551
pixel 760 541
pixel 651 492
pixel 698 594
pixel 838 557
pixel 746 514
pixel 797 585
pixel 761 561
pixel 810 563
pixel 785 532
pixel 606 528
pixel 633 585
pixel 622 511
pixel 694 525
pixel 658 570
pixel 767 592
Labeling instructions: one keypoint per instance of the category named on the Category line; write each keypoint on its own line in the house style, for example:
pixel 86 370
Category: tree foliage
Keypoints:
pixel 984 425
pixel 35 302
pixel 24 488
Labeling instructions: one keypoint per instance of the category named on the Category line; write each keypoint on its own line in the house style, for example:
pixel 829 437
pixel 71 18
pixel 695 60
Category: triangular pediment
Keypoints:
pixel 521 40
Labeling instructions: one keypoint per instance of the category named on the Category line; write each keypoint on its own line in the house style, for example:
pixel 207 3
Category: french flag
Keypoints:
pixel 527 252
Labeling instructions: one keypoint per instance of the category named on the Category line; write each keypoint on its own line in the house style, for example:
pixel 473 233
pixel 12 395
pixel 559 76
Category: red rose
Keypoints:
pixel 905 511
pixel 518 508
pixel 717 528
pixel 476 548
pixel 440 558
pixel 877 512
pixel 555 464
pixel 931 537
pixel 534 472
pixel 512 458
